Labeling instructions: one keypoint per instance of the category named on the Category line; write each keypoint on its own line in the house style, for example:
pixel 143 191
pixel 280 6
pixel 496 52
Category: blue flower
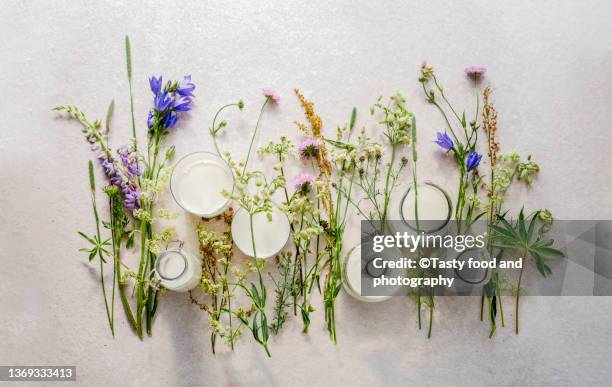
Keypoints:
pixel 181 104
pixel 156 84
pixel 170 120
pixel 185 87
pixel 150 120
pixel 444 141
pixel 473 159
pixel 162 101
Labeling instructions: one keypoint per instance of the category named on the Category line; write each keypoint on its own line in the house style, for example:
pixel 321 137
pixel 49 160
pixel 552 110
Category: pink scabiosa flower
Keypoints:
pixel 308 148
pixel 303 182
pixel 475 71
pixel 271 95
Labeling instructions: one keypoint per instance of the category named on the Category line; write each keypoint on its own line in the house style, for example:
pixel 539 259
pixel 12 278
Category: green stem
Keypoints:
pixel 518 295
pixel 254 134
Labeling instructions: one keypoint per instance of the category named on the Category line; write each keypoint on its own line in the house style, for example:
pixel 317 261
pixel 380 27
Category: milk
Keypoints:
pixel 197 182
pixel 178 270
pixel 270 237
pixel 433 205
pixel 355 269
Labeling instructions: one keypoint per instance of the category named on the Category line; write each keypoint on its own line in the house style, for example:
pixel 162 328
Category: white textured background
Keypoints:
pixel 550 63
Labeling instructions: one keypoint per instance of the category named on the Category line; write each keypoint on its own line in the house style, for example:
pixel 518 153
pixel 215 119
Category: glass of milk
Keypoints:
pixel 434 209
pixel 178 270
pixel 270 236
pixel 197 182
pixel 356 269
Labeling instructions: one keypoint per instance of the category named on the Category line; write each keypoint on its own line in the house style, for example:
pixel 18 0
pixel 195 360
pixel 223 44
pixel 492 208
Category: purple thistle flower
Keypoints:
pixel 150 120
pixel 155 84
pixel 185 86
pixel 475 71
pixel 472 161
pixel 271 95
pixel 444 141
pixel 303 182
pixel 181 104
pixel 162 101
pixel 308 148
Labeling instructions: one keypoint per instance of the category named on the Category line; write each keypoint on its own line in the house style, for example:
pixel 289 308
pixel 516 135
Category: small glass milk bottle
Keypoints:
pixel 178 270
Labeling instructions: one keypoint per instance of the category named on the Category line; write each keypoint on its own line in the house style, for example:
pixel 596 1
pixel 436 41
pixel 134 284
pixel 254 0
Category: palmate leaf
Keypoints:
pixel 522 236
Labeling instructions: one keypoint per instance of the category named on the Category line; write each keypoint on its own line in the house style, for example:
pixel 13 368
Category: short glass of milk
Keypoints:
pixel 197 183
pixel 178 270
pixel 434 209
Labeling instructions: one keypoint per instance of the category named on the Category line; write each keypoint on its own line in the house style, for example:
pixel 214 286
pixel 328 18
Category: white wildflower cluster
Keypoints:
pixel 158 242
pixel 396 118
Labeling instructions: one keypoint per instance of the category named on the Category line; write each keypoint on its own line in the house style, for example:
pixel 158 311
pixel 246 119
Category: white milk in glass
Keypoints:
pixel 178 270
pixel 355 268
pixel 433 207
pixel 270 236
pixel 198 181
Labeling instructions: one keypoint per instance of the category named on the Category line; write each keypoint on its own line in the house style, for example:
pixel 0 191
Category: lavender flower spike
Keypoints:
pixel 473 159
pixel 444 141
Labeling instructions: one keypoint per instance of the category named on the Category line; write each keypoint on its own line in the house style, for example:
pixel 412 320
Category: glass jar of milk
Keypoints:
pixel 178 270
pixel 359 271
pixel 434 209
pixel 197 183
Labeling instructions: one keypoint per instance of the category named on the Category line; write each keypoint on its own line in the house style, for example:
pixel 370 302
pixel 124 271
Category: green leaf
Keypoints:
pixel 505 232
pixel 255 330
pixel 255 295
pixel 521 226
pixel 463 120
pixel 92 255
pixel 339 144
pixel 543 243
pixel 109 114
pixel 540 265
pixel 91 240
pixel 549 252
pixel 128 57
pixel 532 224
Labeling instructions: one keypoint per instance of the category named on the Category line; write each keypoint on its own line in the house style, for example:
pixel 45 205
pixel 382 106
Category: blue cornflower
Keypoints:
pixel 444 141
pixel 162 101
pixel 156 84
pixel 473 159
pixel 150 120
pixel 185 86
pixel 181 104
pixel 170 120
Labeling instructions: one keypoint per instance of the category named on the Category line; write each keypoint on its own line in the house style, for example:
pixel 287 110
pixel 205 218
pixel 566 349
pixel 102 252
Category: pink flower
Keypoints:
pixel 302 182
pixel 475 71
pixel 308 148
pixel 271 95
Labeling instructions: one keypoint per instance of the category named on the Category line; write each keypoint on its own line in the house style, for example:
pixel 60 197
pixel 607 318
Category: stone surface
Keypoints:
pixel 550 64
